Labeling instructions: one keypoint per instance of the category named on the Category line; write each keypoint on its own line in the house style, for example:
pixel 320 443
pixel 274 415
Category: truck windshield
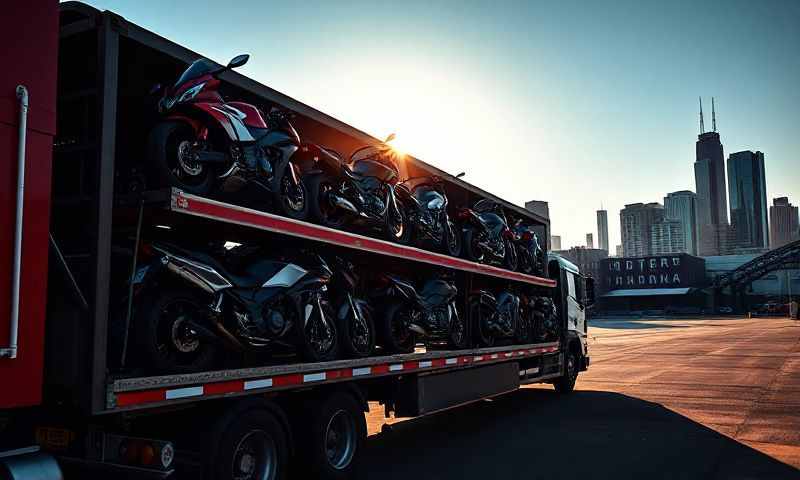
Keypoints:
pixel 198 68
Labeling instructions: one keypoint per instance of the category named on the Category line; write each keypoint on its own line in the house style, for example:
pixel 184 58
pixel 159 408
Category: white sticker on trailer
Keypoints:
pixel 184 392
pixel 425 364
pixel 361 371
pixel 479 358
pixel 263 383
pixel 314 377
pixel 395 367
pixel 451 361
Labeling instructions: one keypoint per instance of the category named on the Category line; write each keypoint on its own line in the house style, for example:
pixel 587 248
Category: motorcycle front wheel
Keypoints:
pixel 316 342
pixel 320 187
pixel 165 339
pixel 457 331
pixel 480 315
pixel 398 228
pixel 292 200
pixel 452 240
pixel 511 261
pixel 171 147
pixel 356 334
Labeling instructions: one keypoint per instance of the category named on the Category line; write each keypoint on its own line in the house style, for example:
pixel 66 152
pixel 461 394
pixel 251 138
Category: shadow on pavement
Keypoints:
pixel 535 434
pixel 632 324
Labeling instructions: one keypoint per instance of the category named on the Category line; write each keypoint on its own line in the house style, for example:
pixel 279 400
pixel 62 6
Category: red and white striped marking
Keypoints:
pixel 207 208
pixel 141 397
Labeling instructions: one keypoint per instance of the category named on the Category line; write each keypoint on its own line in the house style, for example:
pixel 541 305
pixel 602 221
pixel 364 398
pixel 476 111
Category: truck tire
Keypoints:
pixel 251 444
pixel 566 383
pixel 333 436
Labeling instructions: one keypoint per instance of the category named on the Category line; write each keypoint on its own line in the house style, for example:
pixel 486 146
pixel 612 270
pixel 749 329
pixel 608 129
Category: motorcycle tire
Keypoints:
pixel 524 262
pixel 470 248
pixel 400 233
pixel 524 333
pixel 511 261
pixel 320 210
pixel 164 143
pixel 452 242
pixel 347 336
pixel 457 338
pixel 295 208
pixel 304 330
pixel 477 314
pixel 395 337
pixel 162 342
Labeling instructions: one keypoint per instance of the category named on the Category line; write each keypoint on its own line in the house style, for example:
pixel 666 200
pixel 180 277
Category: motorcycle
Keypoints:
pixel 426 204
pixel 529 252
pixel 204 142
pixel 495 318
pixel 430 313
pixel 191 304
pixel 545 320
pixel 487 238
pixel 361 192
pixel 353 315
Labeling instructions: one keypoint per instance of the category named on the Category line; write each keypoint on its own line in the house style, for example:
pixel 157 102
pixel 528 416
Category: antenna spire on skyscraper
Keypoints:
pixel 702 127
pixel 713 116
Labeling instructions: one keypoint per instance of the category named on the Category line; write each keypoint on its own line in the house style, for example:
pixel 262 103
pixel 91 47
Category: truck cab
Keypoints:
pixel 574 299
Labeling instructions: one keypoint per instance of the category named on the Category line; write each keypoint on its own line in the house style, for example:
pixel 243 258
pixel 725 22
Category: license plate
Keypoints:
pixel 54 438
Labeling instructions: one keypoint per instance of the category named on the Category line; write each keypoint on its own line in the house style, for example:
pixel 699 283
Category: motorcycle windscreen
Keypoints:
pixel 438 292
pixel 375 169
pixel 429 197
pixel 197 69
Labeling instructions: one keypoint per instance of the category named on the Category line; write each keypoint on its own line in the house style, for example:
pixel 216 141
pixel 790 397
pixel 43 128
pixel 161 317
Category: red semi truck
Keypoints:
pixel 76 207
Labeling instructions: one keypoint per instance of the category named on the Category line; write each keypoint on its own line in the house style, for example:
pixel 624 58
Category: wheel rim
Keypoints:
pixel 294 196
pixel 340 440
pixel 360 333
pixel 181 160
pixel 571 370
pixel 397 226
pixel 255 457
pixel 400 331
pixel 175 338
pixel 457 330
pixel 318 333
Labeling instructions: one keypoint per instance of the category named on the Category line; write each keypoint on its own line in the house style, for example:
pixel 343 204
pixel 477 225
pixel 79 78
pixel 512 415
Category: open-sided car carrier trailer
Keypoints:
pixel 66 394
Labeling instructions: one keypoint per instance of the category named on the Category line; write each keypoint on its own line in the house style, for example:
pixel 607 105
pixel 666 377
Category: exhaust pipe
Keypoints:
pixel 344 204
pixel 13 334
pixel 417 329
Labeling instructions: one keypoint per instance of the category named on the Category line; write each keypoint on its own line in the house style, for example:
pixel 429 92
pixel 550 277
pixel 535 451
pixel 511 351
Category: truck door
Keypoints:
pixel 576 310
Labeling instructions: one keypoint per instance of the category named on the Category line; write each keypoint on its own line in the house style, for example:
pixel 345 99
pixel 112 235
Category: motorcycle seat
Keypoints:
pixel 247 280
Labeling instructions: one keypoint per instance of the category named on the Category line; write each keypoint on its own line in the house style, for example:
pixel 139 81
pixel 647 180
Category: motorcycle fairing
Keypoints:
pixel 249 114
pixel 437 292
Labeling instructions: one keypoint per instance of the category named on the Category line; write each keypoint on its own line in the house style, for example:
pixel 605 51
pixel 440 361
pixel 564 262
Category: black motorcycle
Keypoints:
pixel 426 205
pixel 353 315
pixel 430 313
pixel 545 328
pixel 487 238
pixel 204 142
pixel 497 318
pixel 529 252
pixel 361 192
pixel 191 304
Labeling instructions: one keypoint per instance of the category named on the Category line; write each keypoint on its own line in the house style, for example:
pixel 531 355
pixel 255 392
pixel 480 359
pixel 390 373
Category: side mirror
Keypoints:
pixel 461 174
pixel 389 138
pixel 238 60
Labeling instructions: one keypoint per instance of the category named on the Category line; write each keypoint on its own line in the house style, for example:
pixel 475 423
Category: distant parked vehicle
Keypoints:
pixel 725 310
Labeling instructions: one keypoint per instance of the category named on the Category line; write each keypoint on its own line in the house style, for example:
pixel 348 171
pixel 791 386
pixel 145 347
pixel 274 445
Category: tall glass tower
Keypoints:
pixel 747 190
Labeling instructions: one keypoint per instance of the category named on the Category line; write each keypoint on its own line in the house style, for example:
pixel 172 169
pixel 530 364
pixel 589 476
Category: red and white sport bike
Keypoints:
pixel 206 143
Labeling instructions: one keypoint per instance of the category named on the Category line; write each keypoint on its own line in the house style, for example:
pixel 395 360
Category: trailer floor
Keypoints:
pixel 667 398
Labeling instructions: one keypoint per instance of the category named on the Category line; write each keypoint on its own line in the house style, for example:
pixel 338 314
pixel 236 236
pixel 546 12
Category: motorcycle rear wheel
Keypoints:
pixel 511 261
pixel 398 228
pixel 396 337
pixel 470 246
pixel 479 316
pixel 165 341
pixel 169 147
pixel 322 211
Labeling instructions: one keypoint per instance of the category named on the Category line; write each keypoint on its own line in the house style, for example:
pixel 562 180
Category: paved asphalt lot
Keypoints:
pixel 670 398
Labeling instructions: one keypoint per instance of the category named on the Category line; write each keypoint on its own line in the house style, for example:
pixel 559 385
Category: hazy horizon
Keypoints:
pixel 574 104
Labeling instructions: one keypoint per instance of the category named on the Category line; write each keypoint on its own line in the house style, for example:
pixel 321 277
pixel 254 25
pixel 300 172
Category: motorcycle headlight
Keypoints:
pixel 191 93
pixel 435 203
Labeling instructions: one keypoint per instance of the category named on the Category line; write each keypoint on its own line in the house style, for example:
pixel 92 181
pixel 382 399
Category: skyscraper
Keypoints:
pixel 602 230
pixel 555 242
pixel 682 206
pixel 539 207
pixel 635 222
pixel 709 175
pixel 783 222
pixel 667 236
pixel 589 240
pixel 747 190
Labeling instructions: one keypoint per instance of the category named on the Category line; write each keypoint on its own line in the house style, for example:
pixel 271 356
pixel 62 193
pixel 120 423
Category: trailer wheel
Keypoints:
pixel 252 446
pixel 566 383
pixel 335 433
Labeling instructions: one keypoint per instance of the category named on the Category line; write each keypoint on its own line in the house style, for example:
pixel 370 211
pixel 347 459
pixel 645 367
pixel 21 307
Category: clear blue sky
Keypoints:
pixel 576 103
